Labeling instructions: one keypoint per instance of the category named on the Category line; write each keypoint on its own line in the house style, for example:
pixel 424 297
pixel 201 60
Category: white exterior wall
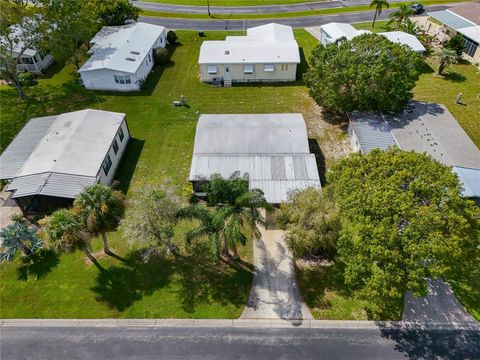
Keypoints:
pixel 38 67
pixel 107 179
pixel 102 79
pixel 289 73
pixel 324 38
pixel 353 139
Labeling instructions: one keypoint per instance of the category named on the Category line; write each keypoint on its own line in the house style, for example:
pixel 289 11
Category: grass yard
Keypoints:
pixel 230 2
pixel 380 26
pixel 160 149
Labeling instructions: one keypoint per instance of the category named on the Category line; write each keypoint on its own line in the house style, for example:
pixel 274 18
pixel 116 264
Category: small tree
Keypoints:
pixel 366 73
pixel 116 12
pixel 446 56
pixel 101 209
pixel 172 37
pixel 404 220
pixel 400 15
pixel 65 231
pixel 379 5
pixel 153 216
pixel 161 56
pixel 456 43
pixel 18 236
pixel 19 31
pixel 311 220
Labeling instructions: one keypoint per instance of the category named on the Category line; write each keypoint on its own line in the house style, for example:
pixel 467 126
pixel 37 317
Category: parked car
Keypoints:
pixel 417 8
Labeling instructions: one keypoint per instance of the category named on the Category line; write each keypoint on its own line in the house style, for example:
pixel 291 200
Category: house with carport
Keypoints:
pixel 53 158
pixel 121 57
pixel 267 53
pixel 271 149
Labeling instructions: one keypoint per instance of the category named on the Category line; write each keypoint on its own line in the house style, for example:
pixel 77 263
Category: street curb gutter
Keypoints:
pixel 241 323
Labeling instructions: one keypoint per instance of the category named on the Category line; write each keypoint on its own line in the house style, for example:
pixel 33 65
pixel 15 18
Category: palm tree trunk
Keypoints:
pixel 374 18
pixel 441 67
pixel 171 248
pixel 225 248
pixel 92 259
pixel 106 250
pixel 235 252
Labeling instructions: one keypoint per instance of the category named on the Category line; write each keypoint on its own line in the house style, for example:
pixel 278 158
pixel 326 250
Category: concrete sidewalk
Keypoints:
pixel 240 323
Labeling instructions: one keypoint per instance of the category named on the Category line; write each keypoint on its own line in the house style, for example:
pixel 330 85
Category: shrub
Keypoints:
pixel 172 37
pixel 161 56
pixel 26 79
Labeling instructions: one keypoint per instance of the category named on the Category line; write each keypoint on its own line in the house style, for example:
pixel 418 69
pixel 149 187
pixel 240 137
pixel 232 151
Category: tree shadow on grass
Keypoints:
pixel 120 286
pixel 320 158
pixel 424 68
pixel 38 265
pixel 454 77
pixel 203 280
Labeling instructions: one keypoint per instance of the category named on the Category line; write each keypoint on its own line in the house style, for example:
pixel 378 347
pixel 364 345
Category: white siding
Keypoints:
pixel 103 79
pixel 282 72
pixel 107 179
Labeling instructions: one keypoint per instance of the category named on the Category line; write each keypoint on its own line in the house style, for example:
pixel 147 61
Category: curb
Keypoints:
pixel 241 323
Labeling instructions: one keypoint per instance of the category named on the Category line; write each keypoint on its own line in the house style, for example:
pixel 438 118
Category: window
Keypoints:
pixel 284 67
pixel 122 79
pixel 26 60
pixel 120 134
pixel 212 69
pixel 115 147
pixel 248 69
pixel 149 57
pixel 107 164
pixel 268 68
pixel 470 47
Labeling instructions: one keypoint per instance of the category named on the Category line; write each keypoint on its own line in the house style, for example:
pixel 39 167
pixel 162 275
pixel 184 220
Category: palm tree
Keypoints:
pixel 237 207
pixel 102 209
pixel 65 231
pixel 379 5
pixel 210 226
pixel 401 14
pixel 446 56
pixel 18 236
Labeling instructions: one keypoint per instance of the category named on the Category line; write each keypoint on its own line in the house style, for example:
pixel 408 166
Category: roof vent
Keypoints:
pixel 135 52
pixel 130 59
pixel 227 52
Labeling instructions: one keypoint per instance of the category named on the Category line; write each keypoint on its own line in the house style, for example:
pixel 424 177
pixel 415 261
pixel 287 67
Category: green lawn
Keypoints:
pixel 230 2
pixel 380 26
pixel 161 147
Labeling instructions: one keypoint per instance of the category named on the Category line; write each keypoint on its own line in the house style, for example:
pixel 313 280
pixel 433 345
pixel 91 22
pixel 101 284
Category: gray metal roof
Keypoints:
pixel 451 19
pixel 15 155
pixel 50 184
pixel 251 134
pixel 470 179
pixel 271 148
pixel 371 130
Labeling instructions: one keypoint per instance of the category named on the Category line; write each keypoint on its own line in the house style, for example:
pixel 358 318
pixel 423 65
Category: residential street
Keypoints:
pixel 236 343
pixel 300 22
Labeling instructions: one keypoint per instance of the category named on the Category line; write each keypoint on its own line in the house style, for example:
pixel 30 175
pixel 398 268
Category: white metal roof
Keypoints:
pixel 271 148
pixel 271 43
pixel 472 32
pixel 336 31
pixel 371 131
pixel 57 155
pixel 113 45
pixel 404 38
pixel 451 19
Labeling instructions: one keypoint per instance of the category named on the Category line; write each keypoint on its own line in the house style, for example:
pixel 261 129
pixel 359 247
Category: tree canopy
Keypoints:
pixel 403 220
pixel 366 73
pixel 116 12
pixel 18 237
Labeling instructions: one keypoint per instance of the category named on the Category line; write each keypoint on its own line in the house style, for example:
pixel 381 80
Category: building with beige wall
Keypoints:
pixel 266 53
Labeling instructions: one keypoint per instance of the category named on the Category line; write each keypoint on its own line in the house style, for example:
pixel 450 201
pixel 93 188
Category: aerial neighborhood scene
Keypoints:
pixel 239 179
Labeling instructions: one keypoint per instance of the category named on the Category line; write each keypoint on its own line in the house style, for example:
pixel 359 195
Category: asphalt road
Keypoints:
pixel 222 23
pixel 236 343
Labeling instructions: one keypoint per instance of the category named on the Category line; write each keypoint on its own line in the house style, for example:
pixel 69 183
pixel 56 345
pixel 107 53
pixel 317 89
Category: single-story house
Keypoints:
pixel 52 159
pixel 331 32
pixel 121 57
pixel 271 148
pixel 422 127
pixel 461 19
pixel 31 60
pixel 266 53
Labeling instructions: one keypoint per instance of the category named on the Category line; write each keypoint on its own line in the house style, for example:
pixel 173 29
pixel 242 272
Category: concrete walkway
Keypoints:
pixel 8 207
pixel 274 292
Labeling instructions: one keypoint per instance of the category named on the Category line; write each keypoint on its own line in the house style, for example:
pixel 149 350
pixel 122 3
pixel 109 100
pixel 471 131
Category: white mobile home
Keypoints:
pixel 122 56
pixel 266 53
pixel 53 158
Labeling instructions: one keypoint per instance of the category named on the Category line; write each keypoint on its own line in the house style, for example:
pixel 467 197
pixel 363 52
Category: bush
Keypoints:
pixel 161 56
pixel 172 37
pixel 26 79
pixel 456 44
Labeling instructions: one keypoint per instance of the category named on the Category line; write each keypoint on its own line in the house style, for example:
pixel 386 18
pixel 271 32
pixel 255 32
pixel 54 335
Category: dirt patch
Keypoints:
pixel 99 255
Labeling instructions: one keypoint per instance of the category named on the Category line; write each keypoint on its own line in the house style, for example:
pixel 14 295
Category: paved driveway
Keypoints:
pixel 440 304
pixel 8 207
pixel 274 292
